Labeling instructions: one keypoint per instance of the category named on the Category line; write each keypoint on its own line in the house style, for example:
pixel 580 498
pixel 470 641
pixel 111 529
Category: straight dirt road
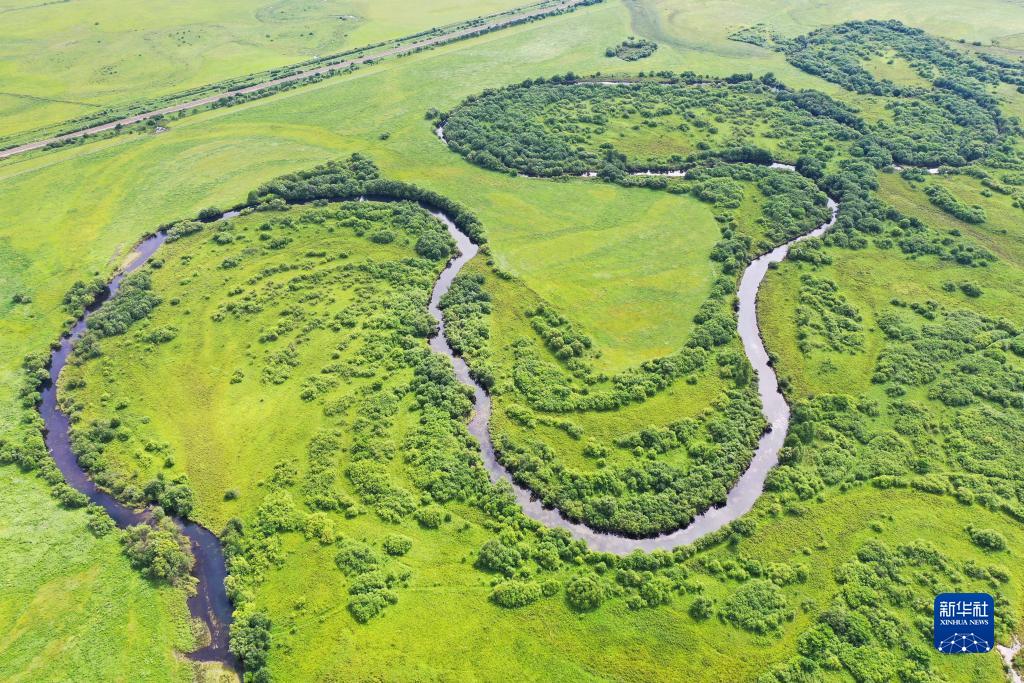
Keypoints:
pixel 336 66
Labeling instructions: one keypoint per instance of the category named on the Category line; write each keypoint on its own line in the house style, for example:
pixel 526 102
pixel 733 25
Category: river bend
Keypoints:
pixel 749 486
pixel 211 604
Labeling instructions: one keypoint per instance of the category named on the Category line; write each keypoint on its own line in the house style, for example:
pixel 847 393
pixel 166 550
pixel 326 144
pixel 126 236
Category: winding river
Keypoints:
pixel 1007 653
pixel 210 602
pixel 744 493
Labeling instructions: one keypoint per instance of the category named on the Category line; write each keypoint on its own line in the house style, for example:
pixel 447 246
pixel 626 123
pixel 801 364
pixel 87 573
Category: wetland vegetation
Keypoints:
pixel 268 376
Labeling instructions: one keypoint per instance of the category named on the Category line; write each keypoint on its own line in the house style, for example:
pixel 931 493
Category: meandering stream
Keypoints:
pixel 211 604
pixel 1007 654
pixel 744 493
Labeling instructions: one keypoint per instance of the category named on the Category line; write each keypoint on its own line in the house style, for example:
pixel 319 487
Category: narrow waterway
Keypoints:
pixel 1007 654
pixel 210 602
pixel 747 489
pixel 744 493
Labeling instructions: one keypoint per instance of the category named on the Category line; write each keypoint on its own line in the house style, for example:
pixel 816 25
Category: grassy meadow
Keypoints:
pixel 628 265
pixel 73 607
pixel 64 60
pixel 548 640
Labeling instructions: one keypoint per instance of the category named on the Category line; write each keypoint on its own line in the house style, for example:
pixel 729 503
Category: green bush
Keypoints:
pixel 160 551
pixel 355 557
pixel 987 539
pixel 584 593
pixel 758 606
pixel 397 545
pixel 513 594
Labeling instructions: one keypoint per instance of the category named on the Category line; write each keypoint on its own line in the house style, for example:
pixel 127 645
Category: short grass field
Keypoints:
pixel 72 609
pixel 862 277
pixel 437 629
pixel 64 60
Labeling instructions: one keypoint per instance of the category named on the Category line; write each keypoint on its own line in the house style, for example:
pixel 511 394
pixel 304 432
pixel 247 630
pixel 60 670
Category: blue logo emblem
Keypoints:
pixel 964 623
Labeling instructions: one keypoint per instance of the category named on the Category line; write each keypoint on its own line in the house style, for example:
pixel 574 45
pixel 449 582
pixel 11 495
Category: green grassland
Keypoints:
pixel 214 402
pixel 656 242
pixel 548 640
pixel 63 60
pixel 314 635
pixel 72 213
pixel 73 608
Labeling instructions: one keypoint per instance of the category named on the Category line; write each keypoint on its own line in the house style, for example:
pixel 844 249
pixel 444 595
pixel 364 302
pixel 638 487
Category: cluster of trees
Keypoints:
pixel 371 588
pixel 320 482
pixel 561 337
pixel 954 356
pixel 530 565
pixel 758 605
pixel 861 632
pixel 174 495
pixel 791 205
pixel 81 295
pixel 358 177
pixel 954 121
pixel 548 128
pixel 647 496
pixel 723 192
pixel 632 49
pixel 823 312
pixel 250 642
pixel 836 53
pixel 512 594
pixel 160 551
pixel 759 34
pixel 863 214
pixel 742 567
pixel 135 300
pixel 546 387
pixel 584 593
pixel 820 104
pixel 987 539
pixel 945 200
pixel 466 306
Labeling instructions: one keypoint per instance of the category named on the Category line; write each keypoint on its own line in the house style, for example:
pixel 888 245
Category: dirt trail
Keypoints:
pixel 336 66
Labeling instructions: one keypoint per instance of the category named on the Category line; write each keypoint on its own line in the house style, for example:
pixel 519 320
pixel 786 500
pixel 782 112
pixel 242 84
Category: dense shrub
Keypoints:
pixel 632 49
pixel 987 539
pixel 496 556
pixel 250 640
pixel 701 608
pixel 396 544
pixel 757 606
pixel 944 199
pixel 160 551
pixel 355 557
pixel 584 593
pixel 512 594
